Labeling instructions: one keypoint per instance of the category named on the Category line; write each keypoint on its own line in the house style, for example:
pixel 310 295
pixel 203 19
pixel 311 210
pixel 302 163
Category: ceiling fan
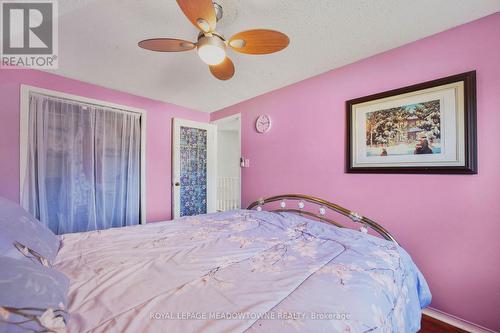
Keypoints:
pixel 211 45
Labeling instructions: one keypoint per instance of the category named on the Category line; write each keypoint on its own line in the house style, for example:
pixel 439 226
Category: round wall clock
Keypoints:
pixel 263 123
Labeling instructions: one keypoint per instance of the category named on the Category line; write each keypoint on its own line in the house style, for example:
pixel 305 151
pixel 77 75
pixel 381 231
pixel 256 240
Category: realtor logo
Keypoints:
pixel 29 34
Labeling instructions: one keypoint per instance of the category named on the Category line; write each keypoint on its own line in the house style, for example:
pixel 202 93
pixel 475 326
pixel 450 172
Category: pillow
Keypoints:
pixel 32 297
pixel 20 227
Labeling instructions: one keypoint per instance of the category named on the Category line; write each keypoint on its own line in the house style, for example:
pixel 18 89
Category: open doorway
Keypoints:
pixel 228 163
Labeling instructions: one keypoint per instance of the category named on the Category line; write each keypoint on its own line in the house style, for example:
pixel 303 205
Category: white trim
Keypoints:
pixel 455 321
pixel 236 116
pixel 23 136
pixel 227 119
pixel 85 100
pixel 143 206
pixel 211 163
pixel 23 132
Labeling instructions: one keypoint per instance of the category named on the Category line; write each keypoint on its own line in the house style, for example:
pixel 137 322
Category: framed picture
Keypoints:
pixel 424 128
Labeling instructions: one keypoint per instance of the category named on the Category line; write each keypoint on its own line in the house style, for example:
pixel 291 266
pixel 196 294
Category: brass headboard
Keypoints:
pixel 321 211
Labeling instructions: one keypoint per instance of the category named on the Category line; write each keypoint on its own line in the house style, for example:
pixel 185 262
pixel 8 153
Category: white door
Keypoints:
pixel 194 168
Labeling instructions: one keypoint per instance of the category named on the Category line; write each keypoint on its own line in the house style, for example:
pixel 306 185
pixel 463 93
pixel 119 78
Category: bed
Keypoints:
pixel 292 268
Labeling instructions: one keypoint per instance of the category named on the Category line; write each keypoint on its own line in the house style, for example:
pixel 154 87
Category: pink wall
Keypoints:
pixel 158 135
pixel 450 224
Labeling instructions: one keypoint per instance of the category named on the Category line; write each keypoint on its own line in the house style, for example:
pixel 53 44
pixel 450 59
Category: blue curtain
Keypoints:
pixel 83 165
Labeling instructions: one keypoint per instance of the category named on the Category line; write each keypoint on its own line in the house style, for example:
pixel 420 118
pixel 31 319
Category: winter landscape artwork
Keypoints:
pixel 425 128
pixel 404 130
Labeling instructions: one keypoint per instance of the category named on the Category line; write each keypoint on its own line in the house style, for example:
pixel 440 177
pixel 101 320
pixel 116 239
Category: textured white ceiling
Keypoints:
pixel 98 42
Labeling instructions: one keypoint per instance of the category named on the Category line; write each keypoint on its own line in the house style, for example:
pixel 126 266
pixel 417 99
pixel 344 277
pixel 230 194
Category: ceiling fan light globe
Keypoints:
pixel 211 49
pixel 211 54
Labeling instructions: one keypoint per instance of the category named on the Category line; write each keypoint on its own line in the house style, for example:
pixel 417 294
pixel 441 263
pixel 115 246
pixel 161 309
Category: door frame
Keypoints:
pixel 24 105
pixel 211 129
pixel 236 116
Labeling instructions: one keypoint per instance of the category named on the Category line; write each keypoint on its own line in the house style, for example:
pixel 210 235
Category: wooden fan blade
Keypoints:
pixel 166 45
pixel 259 41
pixel 223 71
pixel 200 12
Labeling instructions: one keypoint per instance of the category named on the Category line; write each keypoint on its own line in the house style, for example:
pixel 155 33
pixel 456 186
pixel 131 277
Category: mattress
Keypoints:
pixel 240 271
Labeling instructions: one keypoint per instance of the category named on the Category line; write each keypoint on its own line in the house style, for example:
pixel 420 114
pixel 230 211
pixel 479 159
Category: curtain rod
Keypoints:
pixel 82 102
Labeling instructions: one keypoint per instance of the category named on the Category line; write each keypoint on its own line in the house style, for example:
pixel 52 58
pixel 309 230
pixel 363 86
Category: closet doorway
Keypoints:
pixel 228 162
pixel 82 161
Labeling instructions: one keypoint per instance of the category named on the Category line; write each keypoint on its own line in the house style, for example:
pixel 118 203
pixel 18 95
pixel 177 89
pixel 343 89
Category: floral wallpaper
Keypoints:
pixel 193 152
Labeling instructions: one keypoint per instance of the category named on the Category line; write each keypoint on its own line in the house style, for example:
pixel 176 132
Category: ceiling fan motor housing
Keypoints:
pixel 211 39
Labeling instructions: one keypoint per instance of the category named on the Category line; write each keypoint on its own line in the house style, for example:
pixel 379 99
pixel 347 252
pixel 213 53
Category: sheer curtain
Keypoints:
pixel 83 165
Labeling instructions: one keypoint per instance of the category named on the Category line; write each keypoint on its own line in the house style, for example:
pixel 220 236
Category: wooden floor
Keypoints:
pixel 431 325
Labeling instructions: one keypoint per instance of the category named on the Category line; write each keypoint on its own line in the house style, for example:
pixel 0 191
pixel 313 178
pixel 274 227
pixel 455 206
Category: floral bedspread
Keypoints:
pixel 240 271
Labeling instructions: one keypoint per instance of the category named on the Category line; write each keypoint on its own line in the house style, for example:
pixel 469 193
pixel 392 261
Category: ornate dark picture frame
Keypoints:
pixel 397 131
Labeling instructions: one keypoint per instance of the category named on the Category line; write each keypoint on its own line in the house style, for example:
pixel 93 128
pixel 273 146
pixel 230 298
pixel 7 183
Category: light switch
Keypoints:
pixel 244 162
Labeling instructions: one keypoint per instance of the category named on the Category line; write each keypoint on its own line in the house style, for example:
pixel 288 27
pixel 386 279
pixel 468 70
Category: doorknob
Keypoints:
pixel 177 184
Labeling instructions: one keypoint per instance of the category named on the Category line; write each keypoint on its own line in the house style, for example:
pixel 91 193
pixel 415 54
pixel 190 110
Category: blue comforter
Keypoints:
pixel 240 271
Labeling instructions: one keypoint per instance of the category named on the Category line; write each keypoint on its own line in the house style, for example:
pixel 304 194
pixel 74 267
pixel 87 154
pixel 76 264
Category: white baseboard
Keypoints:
pixel 455 321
